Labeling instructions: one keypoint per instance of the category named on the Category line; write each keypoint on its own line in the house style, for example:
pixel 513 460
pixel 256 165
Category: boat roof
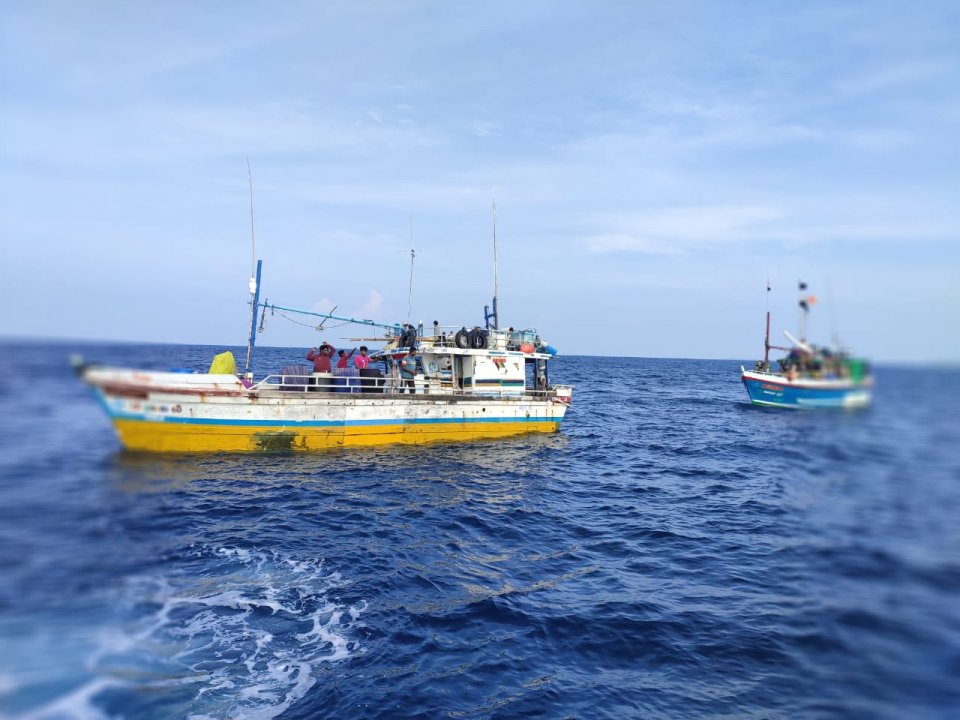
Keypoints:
pixel 426 348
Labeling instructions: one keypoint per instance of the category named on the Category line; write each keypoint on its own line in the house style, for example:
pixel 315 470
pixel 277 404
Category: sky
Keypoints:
pixel 653 164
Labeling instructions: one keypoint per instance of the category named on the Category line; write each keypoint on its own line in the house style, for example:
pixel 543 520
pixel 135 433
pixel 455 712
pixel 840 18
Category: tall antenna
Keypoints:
pixel 254 284
pixel 834 333
pixel 253 239
pixel 766 338
pixel 410 291
pixel 491 319
pixel 804 309
pixel 494 255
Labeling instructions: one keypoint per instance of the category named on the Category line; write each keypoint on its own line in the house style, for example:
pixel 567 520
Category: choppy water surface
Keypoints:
pixel 674 552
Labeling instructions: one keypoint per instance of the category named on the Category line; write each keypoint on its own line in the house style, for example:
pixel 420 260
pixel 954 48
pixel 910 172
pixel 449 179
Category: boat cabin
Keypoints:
pixel 474 362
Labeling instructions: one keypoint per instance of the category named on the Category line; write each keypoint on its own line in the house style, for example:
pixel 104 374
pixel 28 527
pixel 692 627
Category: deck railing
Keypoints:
pixel 387 385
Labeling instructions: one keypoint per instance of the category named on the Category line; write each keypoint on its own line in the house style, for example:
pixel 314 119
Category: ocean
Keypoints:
pixel 673 552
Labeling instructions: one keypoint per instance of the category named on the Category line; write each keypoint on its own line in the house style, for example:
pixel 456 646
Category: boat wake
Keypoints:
pixel 244 638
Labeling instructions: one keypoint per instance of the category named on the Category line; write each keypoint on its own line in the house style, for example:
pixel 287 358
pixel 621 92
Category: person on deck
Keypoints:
pixel 343 357
pixel 321 358
pixel 362 361
pixel 408 369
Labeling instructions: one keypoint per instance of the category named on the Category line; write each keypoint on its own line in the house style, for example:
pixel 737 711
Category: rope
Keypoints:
pixel 318 328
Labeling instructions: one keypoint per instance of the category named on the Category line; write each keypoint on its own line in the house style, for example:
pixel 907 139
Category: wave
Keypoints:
pixel 226 632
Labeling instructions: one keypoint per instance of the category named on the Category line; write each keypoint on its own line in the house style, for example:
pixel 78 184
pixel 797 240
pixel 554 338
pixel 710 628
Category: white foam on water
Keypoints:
pixel 232 633
pixel 76 705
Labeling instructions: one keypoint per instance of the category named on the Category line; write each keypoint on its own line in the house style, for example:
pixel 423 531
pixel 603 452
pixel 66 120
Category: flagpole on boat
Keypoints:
pixel 766 339
pixel 834 334
pixel 804 309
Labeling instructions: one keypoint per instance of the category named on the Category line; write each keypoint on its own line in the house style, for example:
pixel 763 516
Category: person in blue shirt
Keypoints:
pixel 408 369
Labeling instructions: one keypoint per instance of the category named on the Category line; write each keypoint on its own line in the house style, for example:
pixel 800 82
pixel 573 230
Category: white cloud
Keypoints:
pixel 882 140
pixel 323 305
pixel 892 76
pixel 485 129
pixel 623 242
pixel 671 230
pixel 370 310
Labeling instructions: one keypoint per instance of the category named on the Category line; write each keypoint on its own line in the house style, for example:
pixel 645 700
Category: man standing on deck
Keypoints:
pixel 408 369
pixel 321 359
pixel 362 361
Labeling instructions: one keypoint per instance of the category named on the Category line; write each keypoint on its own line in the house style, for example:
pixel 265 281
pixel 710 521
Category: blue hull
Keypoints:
pixel 778 392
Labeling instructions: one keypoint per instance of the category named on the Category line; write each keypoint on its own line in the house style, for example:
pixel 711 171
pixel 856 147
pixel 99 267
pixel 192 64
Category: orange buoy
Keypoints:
pixel 526 347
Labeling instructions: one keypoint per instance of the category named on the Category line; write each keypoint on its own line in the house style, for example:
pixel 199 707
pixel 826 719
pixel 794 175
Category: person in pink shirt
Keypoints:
pixel 362 361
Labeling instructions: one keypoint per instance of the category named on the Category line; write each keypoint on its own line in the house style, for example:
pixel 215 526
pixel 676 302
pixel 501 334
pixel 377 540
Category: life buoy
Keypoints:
pixel 478 339
pixel 462 339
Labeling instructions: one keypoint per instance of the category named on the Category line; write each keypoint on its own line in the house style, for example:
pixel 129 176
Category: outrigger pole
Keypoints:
pixel 356 321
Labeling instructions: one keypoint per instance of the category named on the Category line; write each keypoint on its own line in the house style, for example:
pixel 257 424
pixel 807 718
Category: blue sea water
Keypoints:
pixel 674 552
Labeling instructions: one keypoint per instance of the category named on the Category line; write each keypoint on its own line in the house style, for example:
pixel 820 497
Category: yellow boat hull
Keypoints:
pixel 150 436
pixel 194 413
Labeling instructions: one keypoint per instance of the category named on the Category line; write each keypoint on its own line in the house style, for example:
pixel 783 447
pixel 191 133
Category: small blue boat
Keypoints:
pixel 809 377
pixel 775 389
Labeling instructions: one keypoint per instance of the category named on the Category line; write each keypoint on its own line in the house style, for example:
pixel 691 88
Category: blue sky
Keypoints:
pixel 652 164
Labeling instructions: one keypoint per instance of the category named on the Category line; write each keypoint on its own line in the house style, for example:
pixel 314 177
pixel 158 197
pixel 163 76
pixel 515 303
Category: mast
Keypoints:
pixel 766 338
pixel 487 315
pixel 410 287
pixel 253 239
pixel 766 344
pixel 495 261
pixel 254 278
pixel 255 301
pixel 804 309
pixel 834 334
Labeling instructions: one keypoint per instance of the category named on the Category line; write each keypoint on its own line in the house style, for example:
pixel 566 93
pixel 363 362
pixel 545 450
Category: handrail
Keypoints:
pixel 426 387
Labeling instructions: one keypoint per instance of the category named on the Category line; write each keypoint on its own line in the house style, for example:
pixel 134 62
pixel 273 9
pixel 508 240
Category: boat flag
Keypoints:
pixel 803 304
pixel 803 285
pixel 811 299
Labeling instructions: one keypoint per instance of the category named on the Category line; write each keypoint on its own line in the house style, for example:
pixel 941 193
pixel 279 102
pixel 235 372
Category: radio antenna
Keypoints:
pixel 491 319
pixel 253 239
pixel 410 290
pixel 254 283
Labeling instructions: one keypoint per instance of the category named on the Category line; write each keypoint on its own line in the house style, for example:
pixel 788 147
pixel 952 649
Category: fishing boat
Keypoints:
pixel 809 376
pixel 469 383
